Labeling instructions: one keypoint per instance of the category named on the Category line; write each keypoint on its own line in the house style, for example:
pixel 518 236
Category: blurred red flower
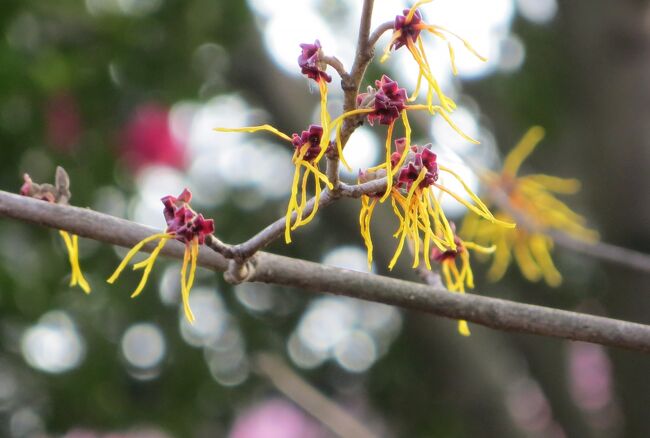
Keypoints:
pixel 147 139
pixel 62 122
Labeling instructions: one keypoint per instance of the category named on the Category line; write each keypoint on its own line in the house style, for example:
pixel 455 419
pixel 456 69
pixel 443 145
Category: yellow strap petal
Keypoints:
pixel 147 270
pixel 522 150
pixel 133 251
pixel 252 129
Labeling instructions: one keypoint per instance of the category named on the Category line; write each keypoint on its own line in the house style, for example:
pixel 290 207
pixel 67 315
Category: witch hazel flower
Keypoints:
pixel 416 205
pixel 407 33
pixel 534 196
pixel 312 65
pixel 309 149
pixel 59 194
pixel 385 104
pixel 456 268
pixel 388 101
pixel 309 146
pixel 184 225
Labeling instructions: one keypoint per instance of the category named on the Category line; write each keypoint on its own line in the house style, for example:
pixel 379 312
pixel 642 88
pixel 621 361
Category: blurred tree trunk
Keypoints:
pixel 609 48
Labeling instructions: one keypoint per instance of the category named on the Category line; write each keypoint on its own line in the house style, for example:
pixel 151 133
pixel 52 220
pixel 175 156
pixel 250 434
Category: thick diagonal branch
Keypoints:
pixel 309 276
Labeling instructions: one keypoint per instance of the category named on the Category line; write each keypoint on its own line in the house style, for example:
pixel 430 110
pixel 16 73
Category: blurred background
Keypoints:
pixel 124 94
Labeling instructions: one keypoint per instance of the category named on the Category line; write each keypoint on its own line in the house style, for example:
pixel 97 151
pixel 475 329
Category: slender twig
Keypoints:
pixel 365 50
pixel 603 251
pixel 350 85
pixel 276 229
pixel 379 31
pixel 336 64
pixel 330 414
pixel 600 250
pixel 309 276
pixel 273 231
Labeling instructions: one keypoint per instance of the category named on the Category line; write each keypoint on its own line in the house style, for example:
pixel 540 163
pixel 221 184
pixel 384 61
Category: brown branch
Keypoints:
pixel 247 249
pixel 603 251
pixel 309 398
pixel 377 33
pixel 275 269
pixel 336 64
pixel 350 84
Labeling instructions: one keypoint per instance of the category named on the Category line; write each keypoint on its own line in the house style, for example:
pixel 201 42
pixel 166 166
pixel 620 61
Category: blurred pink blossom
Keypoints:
pixel 275 419
pixel 62 122
pixel 590 376
pixel 137 433
pixel 147 139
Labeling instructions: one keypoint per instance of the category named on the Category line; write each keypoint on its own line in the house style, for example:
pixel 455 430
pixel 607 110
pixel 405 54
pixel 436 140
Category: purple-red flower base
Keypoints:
pixel 312 137
pixel 182 221
pixel 310 62
pixel 409 30
pixel 389 101
pixel 423 158
pixel 450 254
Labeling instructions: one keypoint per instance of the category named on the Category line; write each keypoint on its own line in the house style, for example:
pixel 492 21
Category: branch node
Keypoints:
pixel 238 273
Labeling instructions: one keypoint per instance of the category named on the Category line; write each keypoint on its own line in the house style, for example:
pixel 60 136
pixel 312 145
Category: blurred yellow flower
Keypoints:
pixel 534 197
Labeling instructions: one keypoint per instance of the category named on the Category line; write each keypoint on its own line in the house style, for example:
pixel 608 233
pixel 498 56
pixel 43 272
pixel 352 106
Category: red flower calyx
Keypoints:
pixel 387 100
pixel 182 221
pixel 409 31
pixel 419 157
pixel 311 64
pixel 312 138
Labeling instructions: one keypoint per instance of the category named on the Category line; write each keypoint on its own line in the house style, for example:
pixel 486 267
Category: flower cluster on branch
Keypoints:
pixel 410 176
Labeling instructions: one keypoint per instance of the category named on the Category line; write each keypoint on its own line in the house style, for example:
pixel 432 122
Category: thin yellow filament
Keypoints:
pixel 452 59
pixel 522 150
pixel 435 108
pixel 540 246
pixel 252 129
pixel 564 186
pixel 481 205
pixel 389 174
pixel 337 124
pixel 148 266
pixel 407 224
pixel 318 174
pixel 480 248
pixel 133 252
pixel 186 285
pixel 317 192
pixel 185 293
pixel 293 204
pixel 525 260
pixel 303 198
pixel 416 91
pixel 428 233
pixel 407 146
pixel 324 114
pixel 365 216
pixel 436 211
pixel 396 35
pixel 436 31
pixel 414 8
pixel 502 258
pixel 351 113
pixel 447 103
pixel 441 225
pixel 76 277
